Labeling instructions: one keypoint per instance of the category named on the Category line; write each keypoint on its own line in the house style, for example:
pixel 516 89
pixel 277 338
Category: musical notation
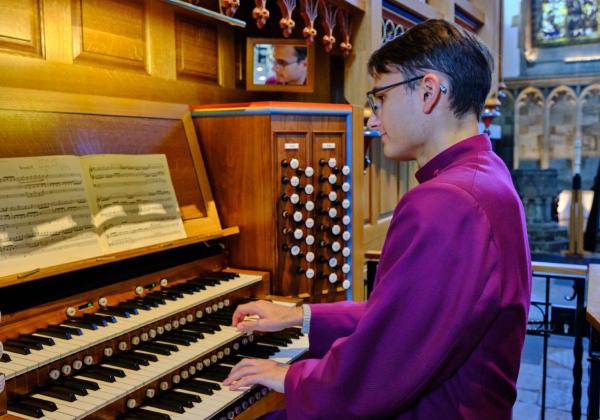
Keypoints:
pixel 45 218
pixel 133 199
pixel 58 209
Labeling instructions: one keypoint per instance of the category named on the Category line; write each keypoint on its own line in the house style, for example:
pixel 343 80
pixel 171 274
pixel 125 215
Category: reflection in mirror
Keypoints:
pixel 279 65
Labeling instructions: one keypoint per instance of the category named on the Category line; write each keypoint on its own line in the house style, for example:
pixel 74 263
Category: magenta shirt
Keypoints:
pixel 442 333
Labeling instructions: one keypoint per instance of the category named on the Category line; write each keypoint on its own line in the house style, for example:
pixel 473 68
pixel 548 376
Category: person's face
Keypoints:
pixel 398 118
pixel 286 66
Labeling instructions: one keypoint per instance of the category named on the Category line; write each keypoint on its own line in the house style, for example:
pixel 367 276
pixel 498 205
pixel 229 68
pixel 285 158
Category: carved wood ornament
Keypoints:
pixel 328 20
pixel 229 7
pixel 345 29
pixel 260 13
pixel 309 10
pixel 286 22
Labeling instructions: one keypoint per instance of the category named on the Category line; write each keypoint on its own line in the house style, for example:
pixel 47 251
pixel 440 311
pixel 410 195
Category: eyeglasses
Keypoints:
pixel 282 63
pixel 375 101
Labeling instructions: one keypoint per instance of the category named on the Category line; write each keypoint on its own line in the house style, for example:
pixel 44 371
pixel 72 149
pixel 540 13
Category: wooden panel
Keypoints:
pixel 288 277
pixel 593 300
pixel 197 48
pixel 20 30
pixel 110 32
pixel 240 172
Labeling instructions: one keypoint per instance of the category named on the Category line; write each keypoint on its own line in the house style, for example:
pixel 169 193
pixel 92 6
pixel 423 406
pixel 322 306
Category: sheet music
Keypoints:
pixel 132 200
pixel 44 213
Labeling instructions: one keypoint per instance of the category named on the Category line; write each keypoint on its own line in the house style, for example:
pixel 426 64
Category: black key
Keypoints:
pixel 185 402
pixel 87 325
pixel 152 348
pixel 273 341
pixel 214 322
pixel 16 347
pixel 58 334
pixel 203 328
pixel 82 382
pixel 58 394
pixel 129 308
pixel 191 397
pixel 98 317
pixel 101 376
pixel 115 311
pixel 134 358
pixel 168 296
pixel 24 341
pixel 111 371
pixel 145 356
pixel 212 376
pixel 124 363
pixel 201 285
pixel 189 290
pixel 137 305
pixel 94 319
pixel 210 385
pixel 191 336
pixel 5 358
pixel 155 298
pixel 26 410
pixel 167 405
pixel 174 340
pixel 46 341
pixel 194 387
pixel 232 359
pixel 140 413
pixel 166 346
pixel 75 389
pixel 149 303
pixel 38 402
pixel 62 328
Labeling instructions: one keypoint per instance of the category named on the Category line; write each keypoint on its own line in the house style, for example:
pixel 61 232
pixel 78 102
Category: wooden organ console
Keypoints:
pixel 282 172
pixel 144 333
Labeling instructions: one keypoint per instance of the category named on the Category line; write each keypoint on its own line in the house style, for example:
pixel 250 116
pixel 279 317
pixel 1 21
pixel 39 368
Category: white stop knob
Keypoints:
pixel 295 250
pixel 309 171
pixel 346 268
pixel 309 189
pixel 294 163
pixel 345 203
pixel 346 170
pixel 336 229
pixel 294 198
pixel 310 240
pixel 332 262
pixel 346 252
pixel 333 278
pixel 309 206
pixel 150 393
pixel 88 360
pixel 294 181
pixel 164 385
pixel 332 196
pixel 335 246
pixel 297 216
pixel 310 273
pixel 332 179
pixel 77 364
pixel 66 369
pixel 345 187
pixel 54 374
pixel 310 257
pixel 298 234
pixel 346 236
pixel 71 311
pixel 332 212
pixel 346 284
pixel 108 351
pixel 346 220
pixel 164 282
pixel 131 403
pixel 332 163
pixel 309 223
pixel 139 290
pixel 102 301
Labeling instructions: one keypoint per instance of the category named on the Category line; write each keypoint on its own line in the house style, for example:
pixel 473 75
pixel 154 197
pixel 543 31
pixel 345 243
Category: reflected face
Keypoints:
pixel 286 66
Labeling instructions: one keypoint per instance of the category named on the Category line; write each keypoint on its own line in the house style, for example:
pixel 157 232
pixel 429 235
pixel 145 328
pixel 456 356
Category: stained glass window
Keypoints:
pixel 565 22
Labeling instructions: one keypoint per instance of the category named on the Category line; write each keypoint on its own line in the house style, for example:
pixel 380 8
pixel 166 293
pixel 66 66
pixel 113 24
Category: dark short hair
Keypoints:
pixel 438 45
pixel 301 53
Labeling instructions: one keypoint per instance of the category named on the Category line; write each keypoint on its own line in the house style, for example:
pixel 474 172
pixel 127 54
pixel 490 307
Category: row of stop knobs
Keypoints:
pixel 338 238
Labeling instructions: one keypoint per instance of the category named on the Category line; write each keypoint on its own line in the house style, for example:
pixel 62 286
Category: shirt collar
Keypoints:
pixel 456 152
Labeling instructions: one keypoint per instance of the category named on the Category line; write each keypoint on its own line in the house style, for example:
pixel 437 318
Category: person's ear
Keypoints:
pixel 432 90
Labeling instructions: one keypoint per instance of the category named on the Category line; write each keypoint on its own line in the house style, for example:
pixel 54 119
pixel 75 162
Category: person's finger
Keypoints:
pixel 239 314
pixel 242 364
pixel 247 309
pixel 247 381
pixel 240 373
pixel 249 325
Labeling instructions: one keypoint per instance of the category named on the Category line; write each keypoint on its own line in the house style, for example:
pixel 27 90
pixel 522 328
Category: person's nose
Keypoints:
pixel 374 123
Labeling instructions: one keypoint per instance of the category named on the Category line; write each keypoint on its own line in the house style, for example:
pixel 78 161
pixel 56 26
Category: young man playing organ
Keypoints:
pixel 442 333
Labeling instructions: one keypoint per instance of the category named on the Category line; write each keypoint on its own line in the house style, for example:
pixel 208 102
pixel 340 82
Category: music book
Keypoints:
pixel 59 209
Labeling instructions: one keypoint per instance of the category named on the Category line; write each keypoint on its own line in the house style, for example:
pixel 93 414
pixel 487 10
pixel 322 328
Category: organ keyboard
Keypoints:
pixel 142 333
pixel 164 350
